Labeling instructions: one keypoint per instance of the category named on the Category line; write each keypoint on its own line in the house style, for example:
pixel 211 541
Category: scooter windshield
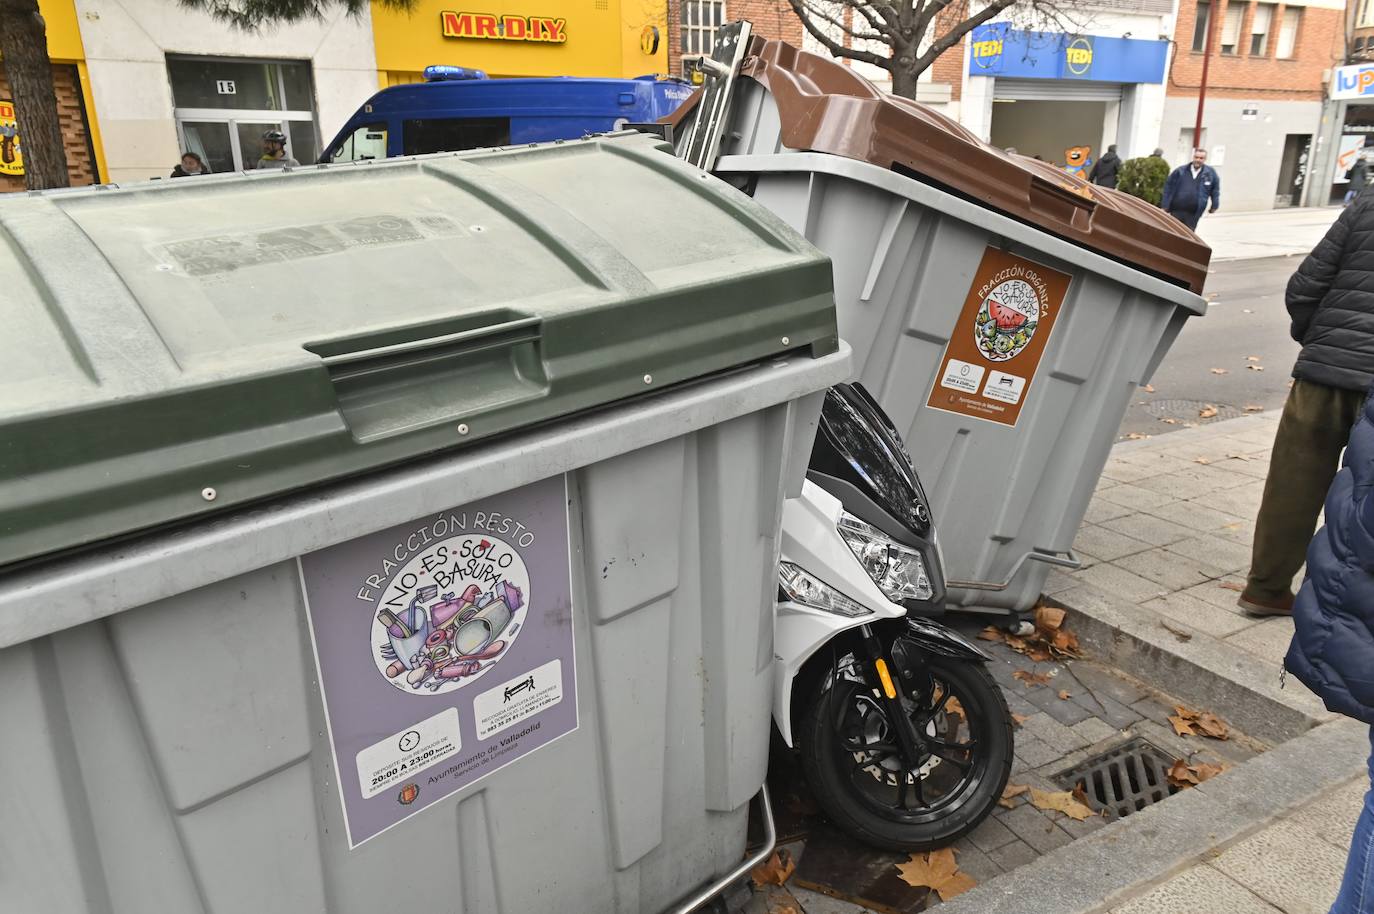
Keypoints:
pixel 858 436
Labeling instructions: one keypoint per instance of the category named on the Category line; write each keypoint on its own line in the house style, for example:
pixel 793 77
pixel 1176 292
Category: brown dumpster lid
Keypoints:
pixel 827 107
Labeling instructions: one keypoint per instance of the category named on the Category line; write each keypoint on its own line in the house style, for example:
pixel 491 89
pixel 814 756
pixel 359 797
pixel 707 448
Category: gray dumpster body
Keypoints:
pixel 917 263
pixel 221 701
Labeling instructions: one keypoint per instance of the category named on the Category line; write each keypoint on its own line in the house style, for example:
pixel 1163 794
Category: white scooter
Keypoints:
pixel 905 738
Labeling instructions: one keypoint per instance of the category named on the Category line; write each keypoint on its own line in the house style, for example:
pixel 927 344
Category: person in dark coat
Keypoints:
pixel 1188 189
pixel 1104 172
pixel 1359 177
pixel 1333 630
pixel 190 166
pixel 1331 302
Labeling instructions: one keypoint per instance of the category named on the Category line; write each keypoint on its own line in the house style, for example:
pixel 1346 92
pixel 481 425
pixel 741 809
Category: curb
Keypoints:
pixel 1200 432
pixel 1113 863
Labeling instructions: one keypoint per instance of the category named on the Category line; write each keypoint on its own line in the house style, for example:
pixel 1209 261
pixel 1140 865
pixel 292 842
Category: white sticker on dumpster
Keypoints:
pixel 403 755
pixel 520 698
pixel 1004 387
pixel 962 376
pixel 444 648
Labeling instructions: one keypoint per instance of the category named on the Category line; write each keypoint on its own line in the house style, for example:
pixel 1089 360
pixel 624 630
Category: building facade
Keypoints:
pixel 1265 89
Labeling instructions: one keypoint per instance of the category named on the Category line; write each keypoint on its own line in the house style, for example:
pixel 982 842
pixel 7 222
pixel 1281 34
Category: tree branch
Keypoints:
pixel 833 46
pixel 958 31
pixel 817 12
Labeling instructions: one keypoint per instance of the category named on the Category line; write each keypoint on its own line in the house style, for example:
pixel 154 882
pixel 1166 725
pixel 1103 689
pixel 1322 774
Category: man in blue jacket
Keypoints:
pixel 1188 189
pixel 1333 639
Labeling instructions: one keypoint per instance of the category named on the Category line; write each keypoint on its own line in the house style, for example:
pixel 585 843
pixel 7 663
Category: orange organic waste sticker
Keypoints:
pixel 990 361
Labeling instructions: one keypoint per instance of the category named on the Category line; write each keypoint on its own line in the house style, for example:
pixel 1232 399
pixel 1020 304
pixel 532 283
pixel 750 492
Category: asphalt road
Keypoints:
pixel 1246 319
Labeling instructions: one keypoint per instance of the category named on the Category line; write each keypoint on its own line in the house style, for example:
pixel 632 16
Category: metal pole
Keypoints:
pixel 1212 16
pixel 770 841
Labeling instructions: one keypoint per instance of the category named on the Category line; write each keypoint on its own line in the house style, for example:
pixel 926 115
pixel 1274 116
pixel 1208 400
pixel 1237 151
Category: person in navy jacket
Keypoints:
pixel 1333 639
pixel 1189 188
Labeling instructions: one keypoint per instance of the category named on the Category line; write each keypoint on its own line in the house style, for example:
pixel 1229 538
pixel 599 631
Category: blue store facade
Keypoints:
pixel 1045 92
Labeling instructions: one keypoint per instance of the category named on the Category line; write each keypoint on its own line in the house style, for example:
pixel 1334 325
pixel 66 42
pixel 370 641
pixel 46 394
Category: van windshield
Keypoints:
pixel 451 134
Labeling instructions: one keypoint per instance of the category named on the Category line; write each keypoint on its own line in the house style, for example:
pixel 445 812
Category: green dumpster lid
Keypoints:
pixel 181 347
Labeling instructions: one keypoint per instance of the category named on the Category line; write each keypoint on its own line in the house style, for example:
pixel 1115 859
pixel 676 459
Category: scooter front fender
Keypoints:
pixel 798 632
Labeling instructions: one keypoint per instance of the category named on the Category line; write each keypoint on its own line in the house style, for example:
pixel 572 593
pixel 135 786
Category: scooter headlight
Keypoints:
pixel 899 571
pixel 801 587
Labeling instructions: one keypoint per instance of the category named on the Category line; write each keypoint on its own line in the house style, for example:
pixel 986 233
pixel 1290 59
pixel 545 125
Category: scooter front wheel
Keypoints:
pixel 864 785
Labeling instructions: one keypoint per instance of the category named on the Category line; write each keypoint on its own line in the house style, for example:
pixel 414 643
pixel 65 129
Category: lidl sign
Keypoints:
pixel 1353 82
pixel 503 28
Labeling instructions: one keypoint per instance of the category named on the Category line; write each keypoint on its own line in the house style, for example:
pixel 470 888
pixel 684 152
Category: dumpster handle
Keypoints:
pixel 770 840
pixel 1064 558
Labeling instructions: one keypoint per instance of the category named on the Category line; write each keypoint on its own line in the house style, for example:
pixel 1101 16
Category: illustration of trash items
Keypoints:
pixel 407 634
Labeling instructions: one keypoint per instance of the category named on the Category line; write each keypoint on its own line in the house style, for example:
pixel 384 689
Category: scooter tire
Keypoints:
pixel 834 793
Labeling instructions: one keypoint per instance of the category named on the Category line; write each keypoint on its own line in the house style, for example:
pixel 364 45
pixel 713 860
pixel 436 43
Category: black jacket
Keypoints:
pixel 1331 301
pixel 1104 172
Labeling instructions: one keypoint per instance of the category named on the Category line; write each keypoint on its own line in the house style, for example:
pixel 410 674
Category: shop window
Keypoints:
pixel 1230 27
pixel 1200 23
pixel 224 106
pixel 1359 46
pixel 1288 31
pixel 1259 29
pixel 700 19
pixel 450 134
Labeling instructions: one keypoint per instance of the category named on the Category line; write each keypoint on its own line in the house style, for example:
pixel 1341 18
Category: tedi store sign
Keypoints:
pixel 503 28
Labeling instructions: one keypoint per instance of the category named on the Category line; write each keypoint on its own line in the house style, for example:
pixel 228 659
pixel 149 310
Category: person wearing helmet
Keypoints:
pixel 274 151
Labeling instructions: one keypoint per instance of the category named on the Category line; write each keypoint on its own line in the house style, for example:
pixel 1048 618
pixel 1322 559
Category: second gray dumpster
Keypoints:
pixel 1002 312
pixel 395 537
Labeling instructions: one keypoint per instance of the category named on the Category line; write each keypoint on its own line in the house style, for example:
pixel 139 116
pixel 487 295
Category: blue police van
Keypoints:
pixel 458 108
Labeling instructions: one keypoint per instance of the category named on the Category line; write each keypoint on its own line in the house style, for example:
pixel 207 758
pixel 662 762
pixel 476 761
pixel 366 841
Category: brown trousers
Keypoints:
pixel 1314 428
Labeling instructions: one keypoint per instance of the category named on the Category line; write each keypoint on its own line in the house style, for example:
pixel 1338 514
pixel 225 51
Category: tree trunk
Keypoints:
pixel 24 49
pixel 904 78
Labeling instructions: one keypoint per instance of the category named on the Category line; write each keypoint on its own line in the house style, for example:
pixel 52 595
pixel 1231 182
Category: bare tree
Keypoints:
pixel 24 47
pixel 905 37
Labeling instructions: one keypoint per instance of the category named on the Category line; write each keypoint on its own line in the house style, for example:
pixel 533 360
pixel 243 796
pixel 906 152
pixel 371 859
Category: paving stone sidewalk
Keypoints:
pixel 1292 866
pixel 1170 525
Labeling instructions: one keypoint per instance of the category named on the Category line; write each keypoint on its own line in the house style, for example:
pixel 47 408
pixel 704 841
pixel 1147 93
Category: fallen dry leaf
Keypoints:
pixel 776 870
pixel 1247 310
pixel 938 871
pixel 991 633
pixel 1254 408
pixel 1018 719
pixel 1202 460
pixel 1168 421
pixel 1255 367
pixel 952 706
pixel 1061 801
pixel 1010 793
pixel 1221 371
pixel 1239 457
pixel 1031 679
pixel 1178 633
pixel 1232 585
pixel 1148 388
pixel 1252 358
pixel 1080 794
pixel 1207 412
pixel 1135 436
pixel 1065 694
pixel 1181 774
pixel 1189 722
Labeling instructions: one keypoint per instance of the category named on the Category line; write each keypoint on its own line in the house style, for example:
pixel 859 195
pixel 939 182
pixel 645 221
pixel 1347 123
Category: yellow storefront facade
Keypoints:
pixel 616 38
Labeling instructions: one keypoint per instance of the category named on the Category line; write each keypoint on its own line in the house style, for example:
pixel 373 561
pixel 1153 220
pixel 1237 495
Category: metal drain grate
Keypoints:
pixel 1189 410
pixel 1123 780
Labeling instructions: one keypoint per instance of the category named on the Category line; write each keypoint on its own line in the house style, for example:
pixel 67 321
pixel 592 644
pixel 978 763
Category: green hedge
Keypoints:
pixel 1144 178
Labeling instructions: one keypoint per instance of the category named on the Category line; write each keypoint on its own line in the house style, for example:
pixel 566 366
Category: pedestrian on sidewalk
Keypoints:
pixel 1104 172
pixel 1333 635
pixel 1189 188
pixel 1331 301
pixel 1359 177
